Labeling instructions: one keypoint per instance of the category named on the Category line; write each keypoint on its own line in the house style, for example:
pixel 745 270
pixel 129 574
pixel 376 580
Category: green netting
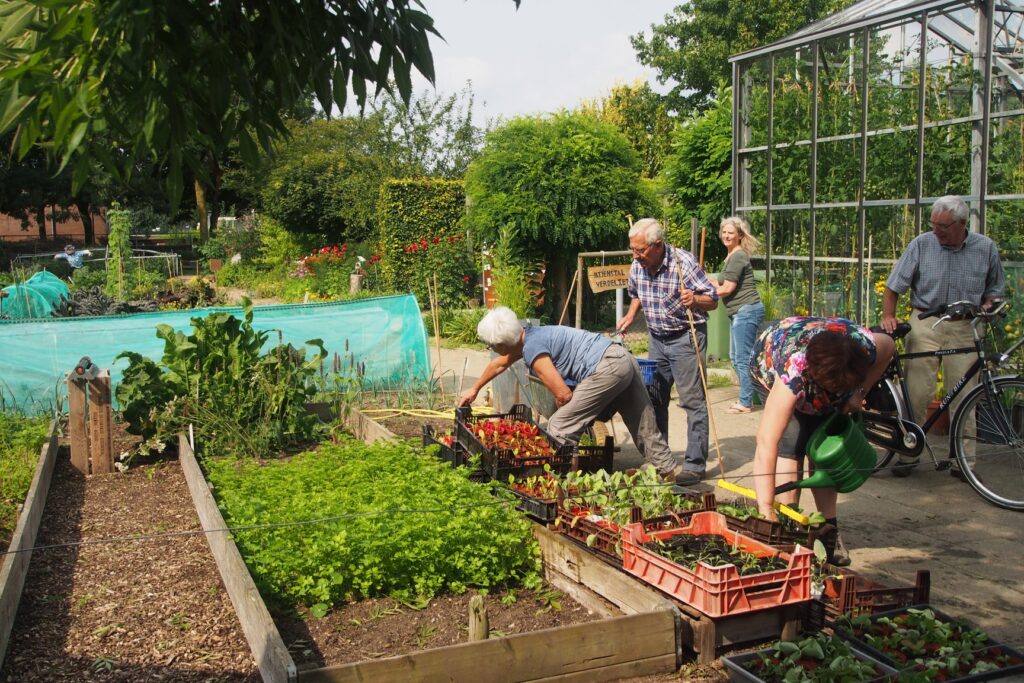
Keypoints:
pixel 36 297
pixel 385 334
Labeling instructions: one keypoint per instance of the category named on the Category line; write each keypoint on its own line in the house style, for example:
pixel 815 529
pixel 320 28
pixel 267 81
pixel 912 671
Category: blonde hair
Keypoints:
pixel 748 242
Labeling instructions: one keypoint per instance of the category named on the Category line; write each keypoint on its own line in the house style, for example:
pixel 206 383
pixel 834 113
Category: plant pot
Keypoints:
pixel 941 425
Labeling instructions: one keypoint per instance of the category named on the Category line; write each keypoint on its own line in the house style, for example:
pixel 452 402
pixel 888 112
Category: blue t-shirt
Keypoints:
pixel 575 353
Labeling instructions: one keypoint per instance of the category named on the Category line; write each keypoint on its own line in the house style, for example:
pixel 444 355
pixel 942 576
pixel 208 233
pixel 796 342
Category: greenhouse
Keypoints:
pixel 846 132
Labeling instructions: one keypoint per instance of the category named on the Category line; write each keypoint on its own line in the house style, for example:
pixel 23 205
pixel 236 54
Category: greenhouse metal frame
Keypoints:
pixel 846 131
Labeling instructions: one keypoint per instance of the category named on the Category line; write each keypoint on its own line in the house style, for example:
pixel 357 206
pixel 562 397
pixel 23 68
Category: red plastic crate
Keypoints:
pixel 718 591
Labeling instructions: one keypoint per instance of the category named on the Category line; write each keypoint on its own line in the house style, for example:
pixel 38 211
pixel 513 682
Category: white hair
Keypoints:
pixel 650 228
pixel 953 205
pixel 500 326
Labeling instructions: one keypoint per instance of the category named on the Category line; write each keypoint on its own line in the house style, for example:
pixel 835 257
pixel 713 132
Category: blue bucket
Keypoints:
pixel 647 369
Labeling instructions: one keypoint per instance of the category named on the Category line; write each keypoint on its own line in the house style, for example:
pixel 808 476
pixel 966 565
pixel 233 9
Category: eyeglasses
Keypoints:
pixel 637 253
pixel 942 227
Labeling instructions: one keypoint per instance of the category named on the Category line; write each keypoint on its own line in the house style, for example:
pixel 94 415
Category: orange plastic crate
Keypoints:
pixel 718 591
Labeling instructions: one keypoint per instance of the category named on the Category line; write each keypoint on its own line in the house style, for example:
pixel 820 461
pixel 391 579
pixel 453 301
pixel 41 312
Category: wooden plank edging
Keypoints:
pixel 275 663
pixel 15 564
pixel 367 429
pixel 629 645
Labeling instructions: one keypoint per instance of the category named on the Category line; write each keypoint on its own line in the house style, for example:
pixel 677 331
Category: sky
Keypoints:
pixel 545 56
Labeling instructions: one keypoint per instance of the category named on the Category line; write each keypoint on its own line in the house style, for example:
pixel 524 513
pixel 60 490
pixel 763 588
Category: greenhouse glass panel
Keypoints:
pixel 1006 156
pixel 791 175
pixel 840 85
pixel 949 80
pixel 791 243
pixel 947 160
pixel 755 164
pixel 893 69
pixel 838 171
pixel 835 265
pixel 793 84
pixel 754 80
pixel 888 230
pixel 1004 223
pixel 892 158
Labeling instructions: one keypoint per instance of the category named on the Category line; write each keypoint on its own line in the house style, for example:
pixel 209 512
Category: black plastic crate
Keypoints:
pixel 543 510
pixel 594 458
pixel 738 673
pixel 1014 670
pixel 455 455
pixel 498 463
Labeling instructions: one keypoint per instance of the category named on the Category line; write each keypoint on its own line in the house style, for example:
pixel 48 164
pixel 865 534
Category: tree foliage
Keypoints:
pixel 563 183
pixel 642 116
pixel 698 173
pixel 693 45
pixel 155 77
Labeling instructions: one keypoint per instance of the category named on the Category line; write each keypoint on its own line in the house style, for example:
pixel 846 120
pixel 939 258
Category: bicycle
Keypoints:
pixel 996 467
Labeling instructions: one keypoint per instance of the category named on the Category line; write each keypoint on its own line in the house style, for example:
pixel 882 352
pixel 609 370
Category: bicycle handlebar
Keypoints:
pixel 964 310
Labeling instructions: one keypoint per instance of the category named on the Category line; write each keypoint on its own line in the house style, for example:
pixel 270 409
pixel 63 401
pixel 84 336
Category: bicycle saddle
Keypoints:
pixel 902 329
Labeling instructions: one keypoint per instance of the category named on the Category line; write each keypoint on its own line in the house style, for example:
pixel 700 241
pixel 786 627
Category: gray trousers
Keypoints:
pixel 616 386
pixel 677 363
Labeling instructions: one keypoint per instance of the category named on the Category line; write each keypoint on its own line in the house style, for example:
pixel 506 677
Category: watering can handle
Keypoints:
pixel 820 479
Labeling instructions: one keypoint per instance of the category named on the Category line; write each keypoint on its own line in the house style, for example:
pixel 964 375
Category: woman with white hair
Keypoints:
pixel 738 292
pixel 607 378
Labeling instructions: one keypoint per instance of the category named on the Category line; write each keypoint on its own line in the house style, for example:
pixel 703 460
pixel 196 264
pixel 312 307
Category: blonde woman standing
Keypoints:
pixel 738 291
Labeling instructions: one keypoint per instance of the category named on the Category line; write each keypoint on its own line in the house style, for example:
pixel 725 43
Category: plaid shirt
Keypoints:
pixel 659 293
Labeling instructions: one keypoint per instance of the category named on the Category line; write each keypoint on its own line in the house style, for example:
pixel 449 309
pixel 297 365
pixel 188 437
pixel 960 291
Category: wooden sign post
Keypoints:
pixel 90 421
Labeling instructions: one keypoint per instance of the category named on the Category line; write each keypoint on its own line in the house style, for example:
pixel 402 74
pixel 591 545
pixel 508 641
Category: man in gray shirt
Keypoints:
pixel 946 265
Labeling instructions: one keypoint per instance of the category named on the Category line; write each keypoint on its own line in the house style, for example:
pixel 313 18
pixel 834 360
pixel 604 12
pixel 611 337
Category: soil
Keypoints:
pixel 383 627
pixel 139 610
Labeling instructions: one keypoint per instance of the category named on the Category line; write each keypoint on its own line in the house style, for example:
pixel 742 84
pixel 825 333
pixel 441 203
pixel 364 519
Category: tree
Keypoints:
pixel 642 116
pixel 562 183
pixel 693 45
pixel 326 177
pixel 698 174
pixel 178 82
pixel 430 135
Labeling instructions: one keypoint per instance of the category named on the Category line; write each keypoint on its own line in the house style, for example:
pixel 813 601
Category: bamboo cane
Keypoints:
pixel 568 297
pixel 703 234
pixel 432 296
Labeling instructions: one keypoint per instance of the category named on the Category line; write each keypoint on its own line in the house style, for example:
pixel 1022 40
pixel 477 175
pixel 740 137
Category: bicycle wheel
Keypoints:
pixel 885 399
pixel 992 458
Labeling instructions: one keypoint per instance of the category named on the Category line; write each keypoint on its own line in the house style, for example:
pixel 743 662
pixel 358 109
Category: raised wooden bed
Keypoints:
pixel 15 563
pixel 639 636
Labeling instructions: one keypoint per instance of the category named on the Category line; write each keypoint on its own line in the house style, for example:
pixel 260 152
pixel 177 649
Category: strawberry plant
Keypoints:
pixel 523 439
pixel 927 647
pixel 391 522
pixel 819 657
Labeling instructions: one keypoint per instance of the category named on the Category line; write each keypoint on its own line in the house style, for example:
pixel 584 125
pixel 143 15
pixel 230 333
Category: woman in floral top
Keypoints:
pixel 810 368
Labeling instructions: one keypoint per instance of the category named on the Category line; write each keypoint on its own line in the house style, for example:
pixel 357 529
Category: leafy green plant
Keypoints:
pixel 21 437
pixel 820 657
pixel 119 249
pixel 241 400
pixel 368 541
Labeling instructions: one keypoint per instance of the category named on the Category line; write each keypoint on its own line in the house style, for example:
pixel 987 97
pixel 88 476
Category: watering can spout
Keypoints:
pixel 842 456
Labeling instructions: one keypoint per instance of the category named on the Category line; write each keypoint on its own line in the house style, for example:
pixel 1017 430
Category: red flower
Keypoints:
pixel 436 240
pixel 465 279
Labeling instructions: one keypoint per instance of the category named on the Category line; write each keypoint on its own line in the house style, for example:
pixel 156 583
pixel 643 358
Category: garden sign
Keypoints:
pixel 603 278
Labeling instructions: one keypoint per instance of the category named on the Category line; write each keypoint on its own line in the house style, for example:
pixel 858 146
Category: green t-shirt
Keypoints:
pixel 738 269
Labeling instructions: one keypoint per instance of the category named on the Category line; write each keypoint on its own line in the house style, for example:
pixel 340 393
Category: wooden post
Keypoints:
pixel 434 303
pixel 76 425
pixel 479 628
pixel 101 417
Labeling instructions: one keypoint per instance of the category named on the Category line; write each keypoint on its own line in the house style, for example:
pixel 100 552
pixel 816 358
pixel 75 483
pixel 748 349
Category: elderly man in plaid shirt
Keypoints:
pixel 674 291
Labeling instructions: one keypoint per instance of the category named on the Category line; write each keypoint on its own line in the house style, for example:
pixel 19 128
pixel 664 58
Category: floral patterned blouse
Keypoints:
pixel 781 352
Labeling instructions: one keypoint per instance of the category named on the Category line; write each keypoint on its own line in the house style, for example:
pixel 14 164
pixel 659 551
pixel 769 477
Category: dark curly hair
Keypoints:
pixel 837 361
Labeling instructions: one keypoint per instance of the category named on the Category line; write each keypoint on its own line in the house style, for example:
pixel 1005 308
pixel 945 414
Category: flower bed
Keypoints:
pixel 926 645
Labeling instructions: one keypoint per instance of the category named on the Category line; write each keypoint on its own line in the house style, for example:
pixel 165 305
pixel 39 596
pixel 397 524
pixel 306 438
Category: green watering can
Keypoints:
pixel 842 456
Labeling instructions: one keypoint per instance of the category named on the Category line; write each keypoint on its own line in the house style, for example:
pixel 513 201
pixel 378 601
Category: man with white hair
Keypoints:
pixel 943 266
pixel 676 296
pixel 607 378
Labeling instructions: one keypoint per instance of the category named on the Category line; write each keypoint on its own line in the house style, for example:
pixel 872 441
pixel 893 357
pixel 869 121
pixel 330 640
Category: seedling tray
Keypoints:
pixel 738 673
pixel 455 455
pixel 594 458
pixel 498 463
pixel 718 591
pixel 1014 670
pixel 544 510
pixel 767 531
pixel 854 594
pixel 603 537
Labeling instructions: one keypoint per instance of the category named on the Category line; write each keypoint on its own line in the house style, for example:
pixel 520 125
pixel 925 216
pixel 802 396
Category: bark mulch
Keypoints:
pixel 152 610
